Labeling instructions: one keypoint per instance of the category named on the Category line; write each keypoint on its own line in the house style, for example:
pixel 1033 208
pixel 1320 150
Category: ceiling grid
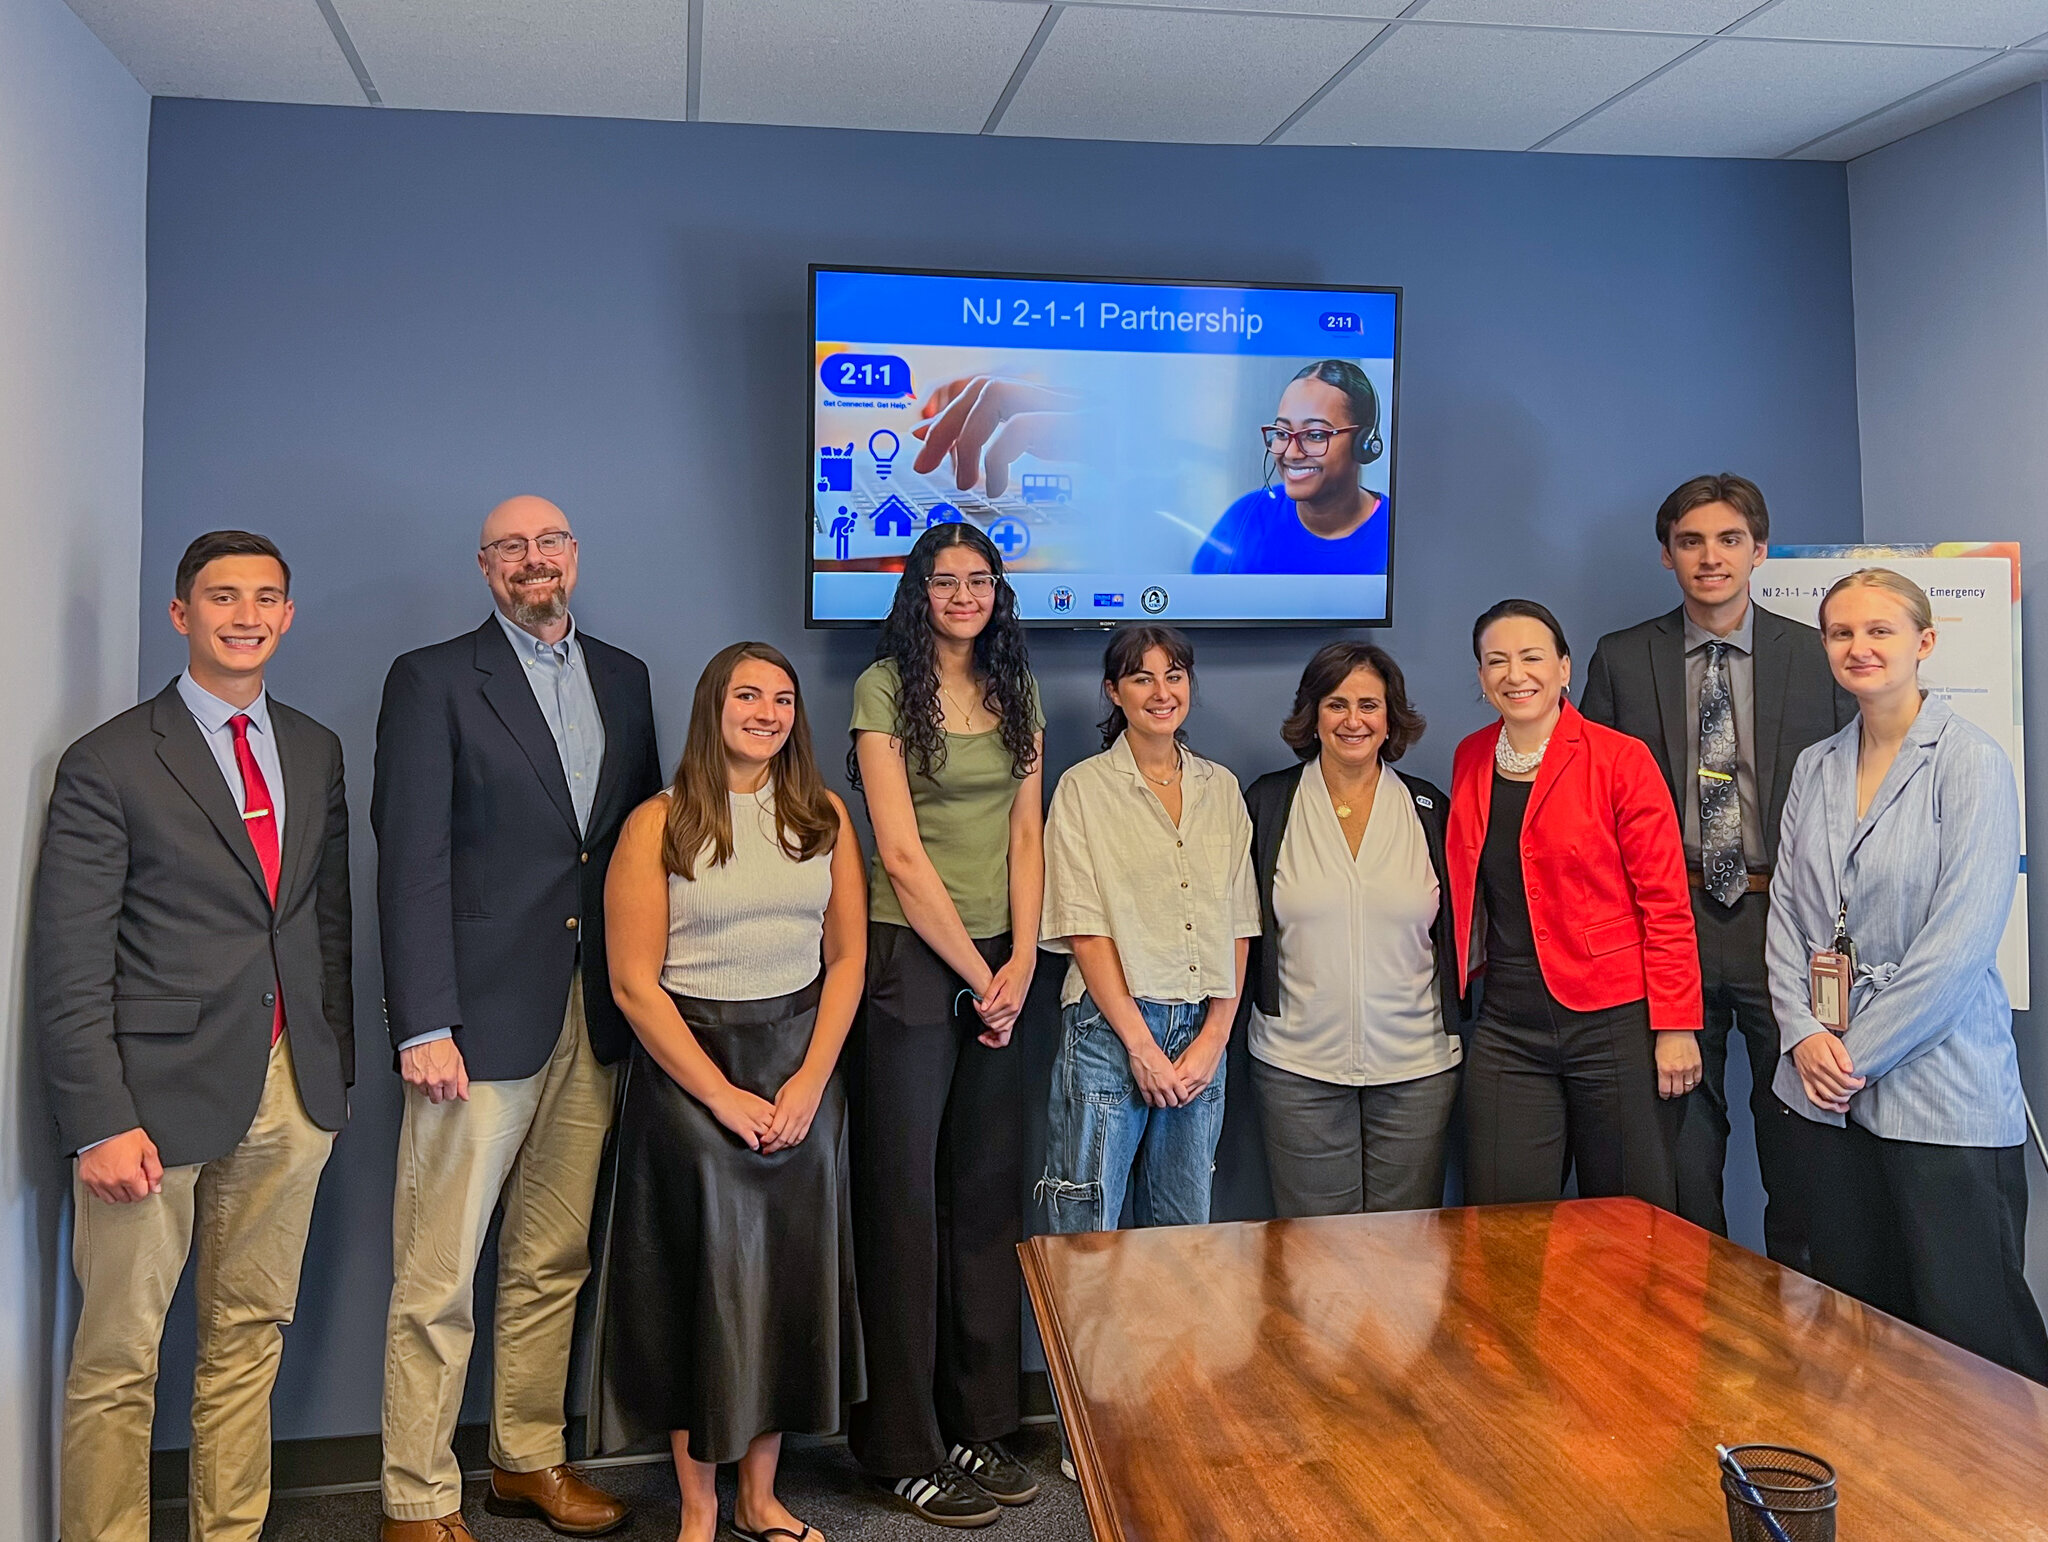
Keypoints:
pixel 1805 79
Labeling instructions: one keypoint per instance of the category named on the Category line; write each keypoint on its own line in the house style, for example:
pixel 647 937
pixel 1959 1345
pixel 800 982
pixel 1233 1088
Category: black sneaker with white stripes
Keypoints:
pixel 996 1473
pixel 947 1497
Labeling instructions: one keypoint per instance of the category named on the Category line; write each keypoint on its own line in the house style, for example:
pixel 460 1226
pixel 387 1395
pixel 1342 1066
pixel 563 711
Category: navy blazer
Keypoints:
pixel 487 896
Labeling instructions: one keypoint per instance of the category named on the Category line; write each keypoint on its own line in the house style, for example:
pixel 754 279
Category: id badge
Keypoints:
pixel 1828 979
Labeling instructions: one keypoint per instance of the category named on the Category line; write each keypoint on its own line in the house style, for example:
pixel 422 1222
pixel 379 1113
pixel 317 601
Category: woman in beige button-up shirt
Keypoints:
pixel 1148 885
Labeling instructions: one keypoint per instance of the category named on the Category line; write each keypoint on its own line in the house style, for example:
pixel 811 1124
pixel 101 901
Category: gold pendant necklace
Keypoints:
pixel 1343 811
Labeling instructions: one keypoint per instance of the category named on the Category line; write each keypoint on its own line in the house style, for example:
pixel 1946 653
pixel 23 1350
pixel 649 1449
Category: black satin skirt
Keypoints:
pixel 729 1307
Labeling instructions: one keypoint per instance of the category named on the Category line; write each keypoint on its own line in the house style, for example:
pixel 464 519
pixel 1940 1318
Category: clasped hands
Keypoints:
pixel 1826 1071
pixel 1165 1083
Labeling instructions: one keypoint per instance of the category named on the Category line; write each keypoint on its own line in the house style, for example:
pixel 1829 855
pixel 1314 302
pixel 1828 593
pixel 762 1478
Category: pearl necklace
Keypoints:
pixel 1512 761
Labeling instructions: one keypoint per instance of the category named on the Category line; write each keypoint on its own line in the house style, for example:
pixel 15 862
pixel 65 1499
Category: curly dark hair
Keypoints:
pixel 1330 668
pixel 1000 659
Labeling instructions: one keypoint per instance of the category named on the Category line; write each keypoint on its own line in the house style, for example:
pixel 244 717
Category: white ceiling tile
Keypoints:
pixel 934 66
pixel 593 58
pixel 1358 10
pixel 1759 99
pixel 1178 75
pixel 250 50
pixel 1694 16
pixel 2004 73
pixel 1479 88
pixel 1972 23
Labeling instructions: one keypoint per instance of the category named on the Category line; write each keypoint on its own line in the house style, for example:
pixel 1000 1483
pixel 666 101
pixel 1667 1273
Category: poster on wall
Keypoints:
pixel 1975 666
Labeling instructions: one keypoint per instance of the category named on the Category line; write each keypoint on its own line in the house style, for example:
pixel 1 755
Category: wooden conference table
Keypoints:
pixel 1555 1371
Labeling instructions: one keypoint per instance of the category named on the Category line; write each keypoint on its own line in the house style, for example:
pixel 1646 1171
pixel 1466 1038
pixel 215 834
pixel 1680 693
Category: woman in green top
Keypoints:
pixel 946 741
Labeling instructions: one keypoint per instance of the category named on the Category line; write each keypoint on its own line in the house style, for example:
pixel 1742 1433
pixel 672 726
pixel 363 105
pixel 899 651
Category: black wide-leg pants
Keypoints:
pixel 938 1178
pixel 1549 1090
pixel 1933 1234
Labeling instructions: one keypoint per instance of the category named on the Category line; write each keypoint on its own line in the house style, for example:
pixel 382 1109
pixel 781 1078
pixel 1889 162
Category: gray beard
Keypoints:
pixel 531 614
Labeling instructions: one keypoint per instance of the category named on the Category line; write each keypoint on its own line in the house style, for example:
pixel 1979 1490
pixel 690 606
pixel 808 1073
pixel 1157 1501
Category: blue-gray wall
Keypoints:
pixel 367 327
pixel 1950 253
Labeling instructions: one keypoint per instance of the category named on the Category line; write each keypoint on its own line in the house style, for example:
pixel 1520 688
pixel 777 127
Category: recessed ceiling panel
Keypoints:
pixel 1737 97
pixel 1479 87
pixel 1694 16
pixel 592 58
pixel 2004 73
pixel 1972 23
pixel 1178 75
pixel 935 66
pixel 245 50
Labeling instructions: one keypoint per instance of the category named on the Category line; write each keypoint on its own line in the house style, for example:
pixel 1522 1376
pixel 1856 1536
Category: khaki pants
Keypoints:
pixel 538 1141
pixel 250 1210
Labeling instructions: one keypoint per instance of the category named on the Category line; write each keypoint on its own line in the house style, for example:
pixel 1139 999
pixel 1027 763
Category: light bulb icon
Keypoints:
pixel 883 445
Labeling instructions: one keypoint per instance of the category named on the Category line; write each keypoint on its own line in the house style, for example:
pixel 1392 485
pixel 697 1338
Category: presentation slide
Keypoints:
pixel 1198 453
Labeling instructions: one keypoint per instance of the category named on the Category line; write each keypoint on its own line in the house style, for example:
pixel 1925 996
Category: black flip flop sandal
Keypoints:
pixel 775 1531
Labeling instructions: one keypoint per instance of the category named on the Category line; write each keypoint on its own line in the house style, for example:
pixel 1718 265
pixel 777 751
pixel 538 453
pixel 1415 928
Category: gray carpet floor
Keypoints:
pixel 821 1484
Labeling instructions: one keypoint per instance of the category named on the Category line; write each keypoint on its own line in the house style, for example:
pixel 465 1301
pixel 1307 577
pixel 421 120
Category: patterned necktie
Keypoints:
pixel 1721 864
pixel 260 819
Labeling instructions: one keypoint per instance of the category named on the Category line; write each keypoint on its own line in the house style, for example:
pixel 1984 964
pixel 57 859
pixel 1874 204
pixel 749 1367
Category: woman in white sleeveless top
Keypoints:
pixel 736 916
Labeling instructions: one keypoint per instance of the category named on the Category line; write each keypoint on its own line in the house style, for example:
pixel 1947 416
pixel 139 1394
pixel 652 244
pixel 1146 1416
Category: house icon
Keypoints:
pixel 893 516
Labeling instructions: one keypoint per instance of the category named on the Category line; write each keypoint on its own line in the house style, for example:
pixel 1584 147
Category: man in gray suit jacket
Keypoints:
pixel 190 942
pixel 1726 694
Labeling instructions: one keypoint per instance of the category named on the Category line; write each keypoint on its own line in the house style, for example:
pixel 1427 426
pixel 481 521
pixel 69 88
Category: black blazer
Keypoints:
pixel 487 897
pixel 157 950
pixel 1636 683
pixel 1271 799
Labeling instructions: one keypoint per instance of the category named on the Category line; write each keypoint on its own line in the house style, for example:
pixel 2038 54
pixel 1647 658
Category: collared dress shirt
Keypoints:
pixel 213 716
pixel 1742 698
pixel 1174 899
pixel 560 682
pixel 1359 1005
pixel 1929 872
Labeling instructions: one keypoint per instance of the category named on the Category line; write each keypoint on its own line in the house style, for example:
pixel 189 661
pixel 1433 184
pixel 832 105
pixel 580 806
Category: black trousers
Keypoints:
pixel 1549 1090
pixel 1933 1234
pixel 938 1162
pixel 1737 996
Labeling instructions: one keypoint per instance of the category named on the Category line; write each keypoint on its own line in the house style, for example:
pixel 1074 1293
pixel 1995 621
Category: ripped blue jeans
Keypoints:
pixel 1102 1139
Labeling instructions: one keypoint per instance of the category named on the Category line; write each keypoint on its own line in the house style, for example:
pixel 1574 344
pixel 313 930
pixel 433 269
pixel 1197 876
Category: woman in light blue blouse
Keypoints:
pixel 1900 848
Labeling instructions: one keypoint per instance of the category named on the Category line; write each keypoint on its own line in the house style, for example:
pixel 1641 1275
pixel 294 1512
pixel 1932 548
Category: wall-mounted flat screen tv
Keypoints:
pixel 1204 453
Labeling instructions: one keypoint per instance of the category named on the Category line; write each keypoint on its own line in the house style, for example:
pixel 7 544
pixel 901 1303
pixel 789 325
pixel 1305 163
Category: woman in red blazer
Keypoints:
pixel 1565 863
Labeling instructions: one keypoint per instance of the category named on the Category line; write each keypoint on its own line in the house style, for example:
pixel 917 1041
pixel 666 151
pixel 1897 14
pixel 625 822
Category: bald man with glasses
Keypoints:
pixel 507 760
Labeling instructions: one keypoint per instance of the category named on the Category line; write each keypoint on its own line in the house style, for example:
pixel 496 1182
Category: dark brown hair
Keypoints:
pixel 1739 493
pixel 1125 656
pixel 1330 668
pixel 1527 609
pixel 700 805
pixel 226 543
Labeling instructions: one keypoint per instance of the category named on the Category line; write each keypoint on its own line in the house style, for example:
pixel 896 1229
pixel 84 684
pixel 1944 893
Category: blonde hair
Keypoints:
pixel 1919 610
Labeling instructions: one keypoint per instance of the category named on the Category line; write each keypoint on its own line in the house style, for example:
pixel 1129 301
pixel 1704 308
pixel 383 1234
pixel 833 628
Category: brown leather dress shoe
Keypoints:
pixel 558 1496
pixel 446 1528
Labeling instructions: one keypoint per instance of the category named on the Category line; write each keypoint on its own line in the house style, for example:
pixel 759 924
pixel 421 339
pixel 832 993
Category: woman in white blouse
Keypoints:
pixel 1148 885
pixel 1353 1039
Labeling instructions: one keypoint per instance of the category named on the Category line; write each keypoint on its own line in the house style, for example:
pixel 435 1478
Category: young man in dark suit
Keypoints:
pixel 507 760
pixel 1726 694
pixel 190 938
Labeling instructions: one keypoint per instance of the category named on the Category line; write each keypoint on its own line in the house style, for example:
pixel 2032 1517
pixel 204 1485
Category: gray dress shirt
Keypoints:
pixel 1742 694
pixel 561 685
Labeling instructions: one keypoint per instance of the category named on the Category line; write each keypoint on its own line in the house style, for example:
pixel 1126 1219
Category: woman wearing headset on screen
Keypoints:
pixel 1320 518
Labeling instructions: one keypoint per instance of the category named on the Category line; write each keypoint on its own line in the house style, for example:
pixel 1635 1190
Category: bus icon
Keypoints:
pixel 1047 487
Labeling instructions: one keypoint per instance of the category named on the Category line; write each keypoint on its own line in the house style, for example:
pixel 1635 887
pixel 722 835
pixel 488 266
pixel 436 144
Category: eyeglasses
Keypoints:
pixel 946 585
pixel 549 543
pixel 1312 442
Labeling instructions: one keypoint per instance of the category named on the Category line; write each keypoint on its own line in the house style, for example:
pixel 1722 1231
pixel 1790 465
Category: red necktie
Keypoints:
pixel 260 819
